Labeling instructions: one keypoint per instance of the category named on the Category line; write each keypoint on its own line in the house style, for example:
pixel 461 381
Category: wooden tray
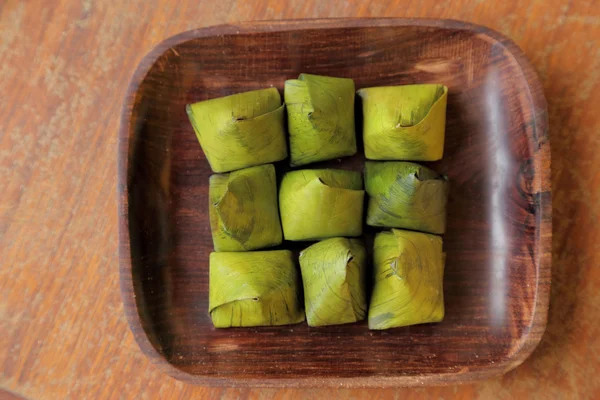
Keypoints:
pixel 498 243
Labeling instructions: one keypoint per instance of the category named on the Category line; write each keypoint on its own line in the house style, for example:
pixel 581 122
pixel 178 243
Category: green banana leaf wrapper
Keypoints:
pixel 257 288
pixel 406 195
pixel 318 204
pixel 408 279
pixel 243 209
pixel 333 274
pixel 404 122
pixel 241 130
pixel 320 113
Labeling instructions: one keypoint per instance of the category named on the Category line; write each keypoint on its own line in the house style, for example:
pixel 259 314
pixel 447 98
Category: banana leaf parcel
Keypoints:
pixel 333 275
pixel 240 130
pixel 318 204
pixel 406 195
pixel 257 288
pixel 243 209
pixel 408 279
pixel 320 113
pixel 404 122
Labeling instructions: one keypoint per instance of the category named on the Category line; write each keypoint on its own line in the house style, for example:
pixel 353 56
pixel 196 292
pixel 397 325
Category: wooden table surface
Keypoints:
pixel 64 68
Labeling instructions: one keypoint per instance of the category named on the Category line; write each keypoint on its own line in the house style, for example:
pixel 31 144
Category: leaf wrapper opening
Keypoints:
pixel 318 204
pixel 320 113
pixel 259 288
pixel 333 275
pixel 408 279
pixel 406 195
pixel 240 130
pixel 243 209
pixel 404 122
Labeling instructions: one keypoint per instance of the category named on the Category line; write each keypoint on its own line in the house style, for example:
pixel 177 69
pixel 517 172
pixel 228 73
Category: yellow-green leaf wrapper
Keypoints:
pixel 408 279
pixel 243 209
pixel 404 122
pixel 333 275
pixel 258 288
pixel 406 195
pixel 320 113
pixel 318 204
pixel 241 130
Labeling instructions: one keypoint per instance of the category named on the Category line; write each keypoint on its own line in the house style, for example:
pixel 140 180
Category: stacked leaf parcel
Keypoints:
pixel 241 136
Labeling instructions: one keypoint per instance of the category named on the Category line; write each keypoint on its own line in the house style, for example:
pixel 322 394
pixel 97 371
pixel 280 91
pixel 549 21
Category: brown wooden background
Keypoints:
pixel 64 67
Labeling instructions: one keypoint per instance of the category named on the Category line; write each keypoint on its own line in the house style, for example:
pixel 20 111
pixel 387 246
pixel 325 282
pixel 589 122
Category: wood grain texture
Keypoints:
pixel 64 68
pixel 498 242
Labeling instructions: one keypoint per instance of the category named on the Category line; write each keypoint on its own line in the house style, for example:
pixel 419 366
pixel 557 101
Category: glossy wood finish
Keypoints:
pixel 64 70
pixel 498 241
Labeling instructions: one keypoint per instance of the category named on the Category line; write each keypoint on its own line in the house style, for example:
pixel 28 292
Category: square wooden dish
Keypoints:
pixel 498 242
